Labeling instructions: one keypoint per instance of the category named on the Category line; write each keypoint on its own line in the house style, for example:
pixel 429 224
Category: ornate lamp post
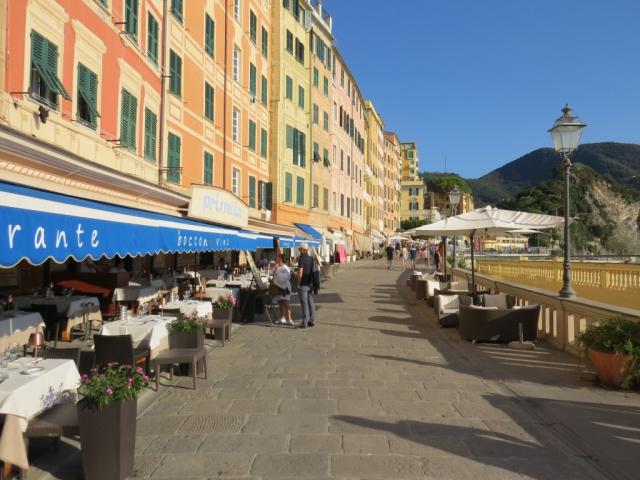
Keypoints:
pixel 566 133
pixel 454 201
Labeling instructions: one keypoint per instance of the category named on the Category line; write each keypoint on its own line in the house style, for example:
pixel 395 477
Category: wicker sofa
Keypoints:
pixel 498 325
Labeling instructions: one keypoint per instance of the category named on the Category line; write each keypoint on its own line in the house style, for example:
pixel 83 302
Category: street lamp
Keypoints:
pixel 454 201
pixel 566 133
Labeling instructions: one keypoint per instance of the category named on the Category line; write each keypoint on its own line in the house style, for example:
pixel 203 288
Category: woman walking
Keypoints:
pixel 405 257
pixel 282 282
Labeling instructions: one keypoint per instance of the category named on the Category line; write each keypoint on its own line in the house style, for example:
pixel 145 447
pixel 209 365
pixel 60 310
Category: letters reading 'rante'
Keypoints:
pixel 40 237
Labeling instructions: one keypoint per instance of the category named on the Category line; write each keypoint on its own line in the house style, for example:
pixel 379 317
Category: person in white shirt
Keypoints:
pixel 281 290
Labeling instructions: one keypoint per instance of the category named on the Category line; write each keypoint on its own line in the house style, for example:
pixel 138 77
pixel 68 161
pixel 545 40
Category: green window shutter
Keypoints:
pixel 207 177
pixel 44 57
pixel 264 92
pixel 316 76
pixel 128 120
pixel 288 186
pixel 131 17
pixel 289 41
pixel 208 101
pixel 288 93
pixel 302 148
pixel 252 135
pixel 326 86
pixel 268 200
pixel 175 72
pixel 152 38
pixel 316 152
pixel 296 147
pixel 300 97
pixel 252 79
pixel 176 9
pixel 88 92
pixel 209 37
pixel 173 174
pixel 253 26
pixel 252 191
pixel 299 190
pixel 265 42
pixel 263 143
pixel 150 126
pixel 289 136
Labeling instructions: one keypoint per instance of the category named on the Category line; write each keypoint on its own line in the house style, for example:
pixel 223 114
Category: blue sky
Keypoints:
pixel 481 81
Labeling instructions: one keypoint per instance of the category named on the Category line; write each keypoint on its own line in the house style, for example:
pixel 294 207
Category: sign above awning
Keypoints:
pixel 309 230
pixel 37 225
pixel 219 206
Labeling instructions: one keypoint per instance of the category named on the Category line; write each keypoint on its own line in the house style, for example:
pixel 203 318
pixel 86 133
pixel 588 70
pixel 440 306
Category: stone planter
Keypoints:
pixel 222 313
pixel 108 438
pixel 610 367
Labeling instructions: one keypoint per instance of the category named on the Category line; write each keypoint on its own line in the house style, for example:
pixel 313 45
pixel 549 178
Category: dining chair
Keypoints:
pixel 62 353
pixel 119 349
pixel 52 320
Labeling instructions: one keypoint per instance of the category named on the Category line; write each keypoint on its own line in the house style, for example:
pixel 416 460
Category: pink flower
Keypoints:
pixel 108 391
pixel 146 379
pixel 139 370
pixel 129 381
pixel 84 378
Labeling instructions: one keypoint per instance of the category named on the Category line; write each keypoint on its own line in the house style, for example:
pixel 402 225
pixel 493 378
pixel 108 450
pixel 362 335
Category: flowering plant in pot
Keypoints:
pixel 186 331
pixel 614 350
pixel 107 418
pixel 223 307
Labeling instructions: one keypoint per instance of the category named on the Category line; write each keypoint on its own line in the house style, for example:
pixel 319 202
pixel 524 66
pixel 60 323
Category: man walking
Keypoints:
pixel 389 251
pixel 305 287
pixel 413 255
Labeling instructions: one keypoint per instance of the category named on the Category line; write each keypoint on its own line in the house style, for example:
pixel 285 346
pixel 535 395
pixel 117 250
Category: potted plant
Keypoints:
pixel 107 419
pixel 614 350
pixel 223 307
pixel 186 331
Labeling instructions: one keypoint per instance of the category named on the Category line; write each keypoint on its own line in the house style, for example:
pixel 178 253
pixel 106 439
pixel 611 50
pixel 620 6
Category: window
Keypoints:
pixel 264 194
pixel 252 135
pixel 131 18
pixel 252 191
pixel 316 152
pixel 237 53
pixel 209 35
pixel 342 204
pixel 235 181
pixel 288 187
pixel 236 10
pixel 335 203
pixel 45 84
pixel 325 157
pixel 208 101
pixel 87 96
pixel 348 207
pixel 299 51
pixel 288 88
pixel 264 146
pixel 301 96
pixel 289 44
pixel 325 87
pixel 264 91
pixel 335 154
pixel 173 164
pixel 128 120
pixel 316 77
pixel 207 169
pixel 341 160
pixel 289 136
pixel 175 72
pixel 252 79
pixel 153 28
pixel 325 121
pixel 410 154
pixel 316 196
pixel 235 125
pixel 348 165
pixel 316 114
pixel 265 42
pixel 150 127
pixel 342 78
pixel 299 148
pixel 325 199
pixel 299 191
pixel 176 9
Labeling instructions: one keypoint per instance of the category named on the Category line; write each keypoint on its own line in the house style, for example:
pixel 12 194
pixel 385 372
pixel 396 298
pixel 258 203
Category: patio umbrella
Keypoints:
pixel 484 222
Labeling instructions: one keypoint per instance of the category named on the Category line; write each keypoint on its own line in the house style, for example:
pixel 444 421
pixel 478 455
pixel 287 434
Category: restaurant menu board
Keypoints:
pixel 254 270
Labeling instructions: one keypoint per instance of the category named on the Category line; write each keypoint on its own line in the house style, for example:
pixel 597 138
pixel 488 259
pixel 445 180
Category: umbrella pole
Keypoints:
pixel 444 249
pixel 473 270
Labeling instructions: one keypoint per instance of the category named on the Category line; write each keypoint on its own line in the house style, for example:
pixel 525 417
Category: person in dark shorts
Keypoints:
pixel 413 255
pixel 305 287
pixel 390 252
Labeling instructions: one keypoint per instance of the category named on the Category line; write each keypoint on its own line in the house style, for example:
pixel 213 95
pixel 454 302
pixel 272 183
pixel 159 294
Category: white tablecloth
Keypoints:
pixel 24 396
pixel 215 292
pixel 13 321
pixel 154 282
pixel 187 307
pixel 149 331
pixel 69 306
pixel 212 274
pixel 135 294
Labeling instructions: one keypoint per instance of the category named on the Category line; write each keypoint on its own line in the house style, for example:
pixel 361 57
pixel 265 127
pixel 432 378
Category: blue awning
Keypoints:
pixel 37 225
pixel 295 242
pixel 309 230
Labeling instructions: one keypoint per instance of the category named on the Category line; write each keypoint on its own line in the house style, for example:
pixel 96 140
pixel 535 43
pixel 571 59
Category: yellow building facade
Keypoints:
pixel 413 190
pixel 374 170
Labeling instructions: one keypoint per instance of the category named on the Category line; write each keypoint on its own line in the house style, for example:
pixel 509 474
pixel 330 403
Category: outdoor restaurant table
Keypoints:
pixel 212 274
pixel 216 292
pixel 24 396
pixel 187 307
pixel 16 326
pixel 71 306
pixel 149 331
pixel 135 294
pixel 145 282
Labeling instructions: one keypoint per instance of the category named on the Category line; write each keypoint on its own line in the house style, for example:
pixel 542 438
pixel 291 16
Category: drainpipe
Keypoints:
pixel 224 98
pixel 163 93
pixel 310 120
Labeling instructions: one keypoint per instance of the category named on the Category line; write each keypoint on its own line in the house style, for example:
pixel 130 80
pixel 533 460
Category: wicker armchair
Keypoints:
pixel 480 324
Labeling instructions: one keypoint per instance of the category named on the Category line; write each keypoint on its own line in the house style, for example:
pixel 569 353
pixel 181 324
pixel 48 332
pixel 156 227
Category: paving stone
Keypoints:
pixel 210 406
pixel 347 393
pixel 244 443
pixel 208 466
pixel 428 446
pixel 305 443
pixel 263 405
pixel 165 444
pixel 360 407
pixel 276 392
pixel 374 466
pixel 159 425
pixel 290 423
pixel 296 465
pixel 145 465
pixel 419 409
pixel 309 406
pixel 467 469
pixel 384 394
pixel 368 425
pixel 365 444
pixel 213 423
pixel 319 393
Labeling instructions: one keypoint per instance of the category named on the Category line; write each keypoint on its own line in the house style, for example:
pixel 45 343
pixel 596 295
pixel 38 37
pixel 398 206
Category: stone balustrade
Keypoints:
pixel 560 319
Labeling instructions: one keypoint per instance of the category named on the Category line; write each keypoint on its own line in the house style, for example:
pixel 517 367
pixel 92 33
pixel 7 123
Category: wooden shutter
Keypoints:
pixel 152 38
pixel 268 201
pixel 265 42
pixel 264 91
pixel 300 190
pixel 124 119
pixel 131 16
pixel 252 135
pixel 263 143
pixel 252 191
pixel 150 125
pixel 209 40
pixel 208 169
pixel 252 78
pixel 208 101
pixel 173 163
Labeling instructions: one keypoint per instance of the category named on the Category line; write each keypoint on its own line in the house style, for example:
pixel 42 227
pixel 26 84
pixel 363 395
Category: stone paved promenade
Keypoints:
pixel 377 390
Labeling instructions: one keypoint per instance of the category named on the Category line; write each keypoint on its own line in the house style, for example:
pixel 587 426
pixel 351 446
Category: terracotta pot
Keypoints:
pixel 108 438
pixel 610 367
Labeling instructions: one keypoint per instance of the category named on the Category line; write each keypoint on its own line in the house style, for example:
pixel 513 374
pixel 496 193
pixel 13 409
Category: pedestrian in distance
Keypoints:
pixel 413 255
pixel 281 290
pixel 436 259
pixel 398 250
pixel 405 257
pixel 390 251
pixel 305 287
